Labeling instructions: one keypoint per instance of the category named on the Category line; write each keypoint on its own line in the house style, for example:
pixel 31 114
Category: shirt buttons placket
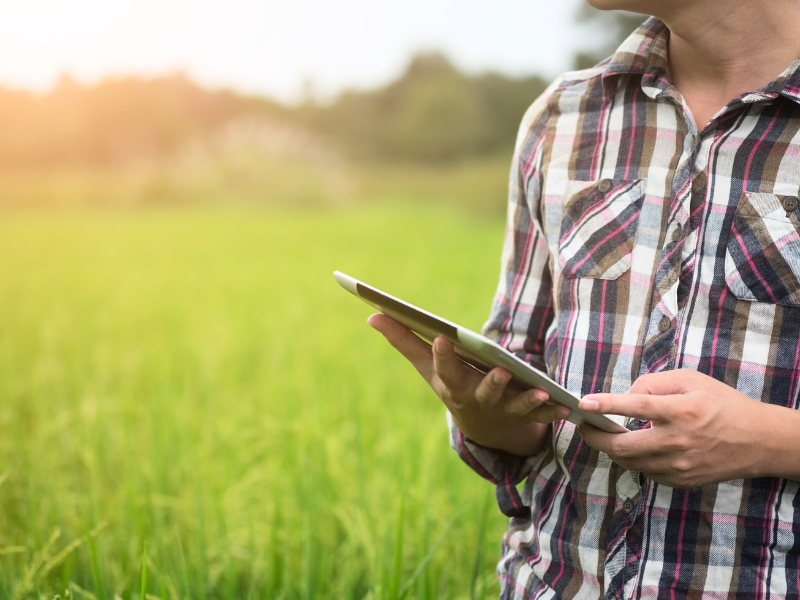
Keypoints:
pixel 627 506
pixel 677 233
pixel 790 204
pixel 604 186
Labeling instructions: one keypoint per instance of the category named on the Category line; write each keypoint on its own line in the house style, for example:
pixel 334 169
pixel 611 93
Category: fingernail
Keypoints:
pixel 541 395
pixel 589 404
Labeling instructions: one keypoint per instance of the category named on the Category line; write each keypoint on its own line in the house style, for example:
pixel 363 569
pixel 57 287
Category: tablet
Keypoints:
pixel 474 349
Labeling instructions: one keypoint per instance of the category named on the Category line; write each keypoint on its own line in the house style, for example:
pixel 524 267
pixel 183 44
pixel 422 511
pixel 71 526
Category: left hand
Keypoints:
pixel 701 431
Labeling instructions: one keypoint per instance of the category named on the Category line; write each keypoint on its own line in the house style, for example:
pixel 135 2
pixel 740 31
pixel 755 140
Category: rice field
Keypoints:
pixel 190 407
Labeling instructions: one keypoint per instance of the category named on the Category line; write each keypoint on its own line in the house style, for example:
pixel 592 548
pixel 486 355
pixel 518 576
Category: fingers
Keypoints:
pixel 492 386
pixel 641 451
pixel 447 366
pixel 652 397
pixel 457 383
pixel 597 439
pixel 666 383
pixel 524 402
pixel 534 405
pixel 416 350
pixel 548 413
pixel 624 448
pixel 644 407
pixel 441 368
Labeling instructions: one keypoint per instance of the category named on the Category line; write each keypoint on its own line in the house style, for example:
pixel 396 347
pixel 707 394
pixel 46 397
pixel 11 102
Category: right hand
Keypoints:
pixel 484 407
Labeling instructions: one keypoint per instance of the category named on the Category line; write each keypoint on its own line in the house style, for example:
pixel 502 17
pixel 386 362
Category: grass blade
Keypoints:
pixel 476 567
pixel 397 563
pixel 143 594
pixel 97 573
pixel 427 558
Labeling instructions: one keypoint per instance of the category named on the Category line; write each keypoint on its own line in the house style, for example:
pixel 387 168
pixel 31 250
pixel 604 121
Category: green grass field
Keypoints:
pixel 190 407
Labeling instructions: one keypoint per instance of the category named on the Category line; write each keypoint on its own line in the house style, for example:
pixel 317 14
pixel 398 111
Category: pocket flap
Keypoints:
pixel 599 225
pixel 762 262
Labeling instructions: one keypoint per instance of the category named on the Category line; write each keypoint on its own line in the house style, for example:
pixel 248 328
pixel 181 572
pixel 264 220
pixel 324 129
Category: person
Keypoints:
pixel 652 266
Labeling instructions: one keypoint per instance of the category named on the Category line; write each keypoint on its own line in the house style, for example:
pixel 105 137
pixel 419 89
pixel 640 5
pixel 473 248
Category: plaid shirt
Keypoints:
pixel 637 244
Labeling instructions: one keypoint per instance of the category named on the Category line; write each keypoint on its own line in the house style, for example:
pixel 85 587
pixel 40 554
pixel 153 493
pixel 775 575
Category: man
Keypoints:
pixel 652 267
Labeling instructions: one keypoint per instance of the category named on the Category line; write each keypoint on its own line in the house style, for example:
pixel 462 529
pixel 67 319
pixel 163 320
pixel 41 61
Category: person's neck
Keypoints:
pixel 720 50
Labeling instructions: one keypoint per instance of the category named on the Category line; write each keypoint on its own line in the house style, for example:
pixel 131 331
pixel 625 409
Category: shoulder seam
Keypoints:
pixel 539 108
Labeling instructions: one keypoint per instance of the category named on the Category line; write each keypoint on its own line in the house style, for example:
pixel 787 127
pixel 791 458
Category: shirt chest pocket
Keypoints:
pixel 598 228
pixel 762 262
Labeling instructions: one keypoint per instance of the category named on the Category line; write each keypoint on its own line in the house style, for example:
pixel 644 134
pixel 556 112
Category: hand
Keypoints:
pixel 484 407
pixel 701 431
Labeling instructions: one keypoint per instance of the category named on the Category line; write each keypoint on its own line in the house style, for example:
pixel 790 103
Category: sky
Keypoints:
pixel 280 48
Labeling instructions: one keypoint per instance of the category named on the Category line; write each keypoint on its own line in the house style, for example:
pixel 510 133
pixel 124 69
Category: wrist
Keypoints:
pixel 778 443
pixel 523 439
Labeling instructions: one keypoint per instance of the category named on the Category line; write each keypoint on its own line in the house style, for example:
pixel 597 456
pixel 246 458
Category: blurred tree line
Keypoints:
pixel 434 113
pixel 118 120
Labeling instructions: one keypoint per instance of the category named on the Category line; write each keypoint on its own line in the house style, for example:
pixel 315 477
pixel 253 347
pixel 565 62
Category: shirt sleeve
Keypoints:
pixel 522 309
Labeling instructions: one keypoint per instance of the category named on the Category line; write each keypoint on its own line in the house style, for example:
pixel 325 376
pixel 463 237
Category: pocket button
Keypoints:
pixel 790 204
pixel 664 324
pixel 604 186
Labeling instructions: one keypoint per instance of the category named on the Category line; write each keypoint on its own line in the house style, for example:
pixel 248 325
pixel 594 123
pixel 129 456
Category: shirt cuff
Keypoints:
pixel 503 469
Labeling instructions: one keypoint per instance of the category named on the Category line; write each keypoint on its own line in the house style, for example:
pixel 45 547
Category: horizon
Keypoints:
pixel 66 78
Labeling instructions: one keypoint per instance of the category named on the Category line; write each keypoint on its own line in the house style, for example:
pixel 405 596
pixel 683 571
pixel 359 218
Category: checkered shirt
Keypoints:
pixel 637 244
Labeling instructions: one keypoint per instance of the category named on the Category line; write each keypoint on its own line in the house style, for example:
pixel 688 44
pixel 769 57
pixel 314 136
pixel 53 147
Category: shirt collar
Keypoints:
pixel 644 53
pixel 787 84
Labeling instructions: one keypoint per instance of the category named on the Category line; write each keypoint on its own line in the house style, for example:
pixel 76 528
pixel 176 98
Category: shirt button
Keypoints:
pixel 664 324
pixel 789 203
pixel 604 186
pixel 627 506
pixel 677 233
